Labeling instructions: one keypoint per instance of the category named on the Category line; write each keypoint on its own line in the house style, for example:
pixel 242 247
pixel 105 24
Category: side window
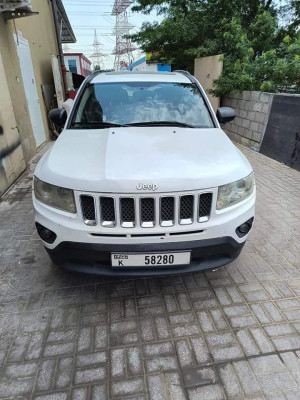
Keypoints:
pixel 89 109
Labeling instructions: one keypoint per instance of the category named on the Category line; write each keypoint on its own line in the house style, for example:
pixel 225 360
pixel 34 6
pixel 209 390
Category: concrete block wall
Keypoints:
pixel 252 113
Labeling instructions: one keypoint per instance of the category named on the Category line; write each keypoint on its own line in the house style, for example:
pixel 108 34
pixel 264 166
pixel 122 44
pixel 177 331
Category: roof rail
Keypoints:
pixel 92 75
pixel 187 74
pixel 182 71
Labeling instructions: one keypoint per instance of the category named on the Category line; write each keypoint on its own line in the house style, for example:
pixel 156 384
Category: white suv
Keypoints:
pixel 142 179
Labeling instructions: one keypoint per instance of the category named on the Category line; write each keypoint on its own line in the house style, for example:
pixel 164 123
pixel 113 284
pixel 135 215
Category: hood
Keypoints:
pixel 120 159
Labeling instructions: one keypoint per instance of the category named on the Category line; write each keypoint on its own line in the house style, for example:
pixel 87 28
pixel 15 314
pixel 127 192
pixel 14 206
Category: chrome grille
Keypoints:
pixel 146 211
pixel 167 211
pixel 88 210
pixel 107 209
pixel 186 209
pixel 204 206
pixel 127 212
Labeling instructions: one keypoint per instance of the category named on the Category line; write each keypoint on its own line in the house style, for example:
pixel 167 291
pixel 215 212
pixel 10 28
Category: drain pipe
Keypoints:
pixel 60 50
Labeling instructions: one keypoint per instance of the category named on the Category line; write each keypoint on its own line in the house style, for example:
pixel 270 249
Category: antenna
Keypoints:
pixel 97 55
pixel 124 48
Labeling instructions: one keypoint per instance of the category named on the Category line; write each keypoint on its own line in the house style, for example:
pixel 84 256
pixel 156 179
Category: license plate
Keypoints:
pixel 150 259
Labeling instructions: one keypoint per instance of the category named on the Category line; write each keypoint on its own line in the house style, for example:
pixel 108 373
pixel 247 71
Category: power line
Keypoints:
pixel 83 3
pixel 68 5
pixel 89 27
pixel 91 8
pixel 96 14
pixel 91 35
pixel 89 1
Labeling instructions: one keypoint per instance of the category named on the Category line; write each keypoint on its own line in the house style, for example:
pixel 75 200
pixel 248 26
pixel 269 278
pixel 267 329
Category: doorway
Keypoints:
pixel 29 84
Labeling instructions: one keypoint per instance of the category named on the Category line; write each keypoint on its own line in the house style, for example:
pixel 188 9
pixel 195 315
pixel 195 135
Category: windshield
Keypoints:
pixel 138 103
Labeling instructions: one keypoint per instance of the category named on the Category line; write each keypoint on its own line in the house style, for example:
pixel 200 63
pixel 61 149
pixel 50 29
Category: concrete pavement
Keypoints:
pixel 231 333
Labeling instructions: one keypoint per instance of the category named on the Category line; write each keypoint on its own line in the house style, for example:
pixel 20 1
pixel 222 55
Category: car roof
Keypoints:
pixel 144 76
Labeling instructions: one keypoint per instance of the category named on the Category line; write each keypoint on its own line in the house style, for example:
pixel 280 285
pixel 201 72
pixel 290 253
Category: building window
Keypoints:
pixel 72 66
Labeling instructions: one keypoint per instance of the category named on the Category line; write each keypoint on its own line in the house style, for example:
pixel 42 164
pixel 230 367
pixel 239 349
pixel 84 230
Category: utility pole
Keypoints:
pixel 124 48
pixel 97 55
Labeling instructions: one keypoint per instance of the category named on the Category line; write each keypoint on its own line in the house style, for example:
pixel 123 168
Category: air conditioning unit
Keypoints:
pixel 15 5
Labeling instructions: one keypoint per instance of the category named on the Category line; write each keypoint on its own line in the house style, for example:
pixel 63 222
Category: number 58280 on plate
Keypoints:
pixel 150 259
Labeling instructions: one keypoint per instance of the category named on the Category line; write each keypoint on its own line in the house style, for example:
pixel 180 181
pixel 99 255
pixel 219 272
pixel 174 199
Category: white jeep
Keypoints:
pixel 142 180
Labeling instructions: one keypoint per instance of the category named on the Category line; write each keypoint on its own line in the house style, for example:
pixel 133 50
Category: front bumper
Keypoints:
pixel 96 258
pixel 87 249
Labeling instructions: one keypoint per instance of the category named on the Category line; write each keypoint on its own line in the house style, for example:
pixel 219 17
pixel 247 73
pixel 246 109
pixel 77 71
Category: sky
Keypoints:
pixel 87 15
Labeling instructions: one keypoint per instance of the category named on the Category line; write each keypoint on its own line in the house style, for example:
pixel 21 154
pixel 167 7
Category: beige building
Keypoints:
pixel 31 79
pixel 207 70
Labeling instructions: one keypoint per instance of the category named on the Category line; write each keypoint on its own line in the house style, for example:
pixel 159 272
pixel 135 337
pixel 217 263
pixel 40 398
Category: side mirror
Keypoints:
pixel 58 116
pixel 1 130
pixel 225 114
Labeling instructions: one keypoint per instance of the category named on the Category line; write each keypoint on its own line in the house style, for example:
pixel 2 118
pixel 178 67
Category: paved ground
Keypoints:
pixel 232 333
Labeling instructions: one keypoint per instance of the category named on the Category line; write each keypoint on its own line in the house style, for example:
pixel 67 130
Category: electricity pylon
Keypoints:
pixel 97 55
pixel 124 48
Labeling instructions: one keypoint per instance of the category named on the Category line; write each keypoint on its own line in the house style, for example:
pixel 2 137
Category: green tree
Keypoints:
pixel 259 39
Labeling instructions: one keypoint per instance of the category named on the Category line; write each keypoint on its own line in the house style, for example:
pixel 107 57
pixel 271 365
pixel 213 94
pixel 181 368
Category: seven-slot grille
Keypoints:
pixel 147 211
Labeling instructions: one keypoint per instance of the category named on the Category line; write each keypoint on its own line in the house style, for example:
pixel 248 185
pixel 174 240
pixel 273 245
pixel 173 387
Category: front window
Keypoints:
pixel 141 103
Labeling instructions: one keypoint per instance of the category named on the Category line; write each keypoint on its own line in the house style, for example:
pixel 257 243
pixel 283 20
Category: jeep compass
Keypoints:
pixel 142 180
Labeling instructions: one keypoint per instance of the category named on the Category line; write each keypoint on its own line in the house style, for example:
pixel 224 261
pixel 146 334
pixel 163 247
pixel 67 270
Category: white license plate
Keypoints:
pixel 150 259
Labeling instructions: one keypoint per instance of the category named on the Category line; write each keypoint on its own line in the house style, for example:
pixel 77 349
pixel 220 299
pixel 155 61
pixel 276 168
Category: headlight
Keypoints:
pixel 235 192
pixel 54 196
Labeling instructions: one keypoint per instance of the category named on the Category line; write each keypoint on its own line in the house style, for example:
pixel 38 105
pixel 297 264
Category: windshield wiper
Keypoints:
pixel 103 125
pixel 95 124
pixel 163 123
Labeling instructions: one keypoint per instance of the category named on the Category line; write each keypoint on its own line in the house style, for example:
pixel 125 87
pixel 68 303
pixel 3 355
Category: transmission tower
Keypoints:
pixel 97 55
pixel 124 48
